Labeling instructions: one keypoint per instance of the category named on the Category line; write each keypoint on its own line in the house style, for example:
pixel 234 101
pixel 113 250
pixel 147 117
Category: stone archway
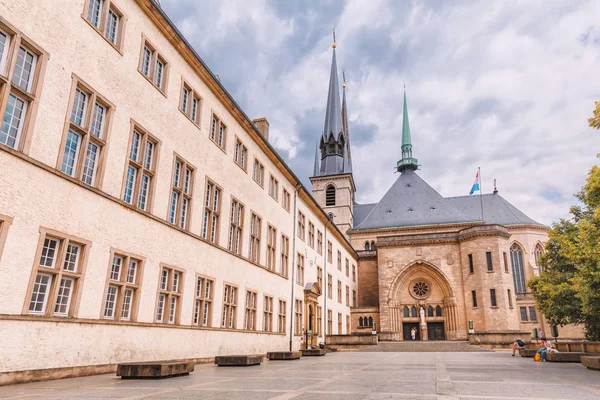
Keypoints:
pixel 423 286
pixel 312 292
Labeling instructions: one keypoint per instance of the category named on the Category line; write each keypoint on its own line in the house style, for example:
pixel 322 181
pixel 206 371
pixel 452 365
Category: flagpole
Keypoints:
pixel 480 191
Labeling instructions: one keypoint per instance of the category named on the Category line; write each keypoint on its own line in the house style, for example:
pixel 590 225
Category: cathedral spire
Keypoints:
pixel 316 168
pixel 333 114
pixel 407 161
pixel 345 118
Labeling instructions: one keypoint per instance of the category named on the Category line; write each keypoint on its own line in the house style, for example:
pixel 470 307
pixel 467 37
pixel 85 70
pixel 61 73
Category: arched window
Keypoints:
pixel 430 311
pixel 330 195
pixel 406 312
pixel 413 311
pixel 516 260
pixel 330 215
pixel 372 245
pixel 366 245
pixel 360 321
pixel 538 252
pixel 371 322
pixel 438 311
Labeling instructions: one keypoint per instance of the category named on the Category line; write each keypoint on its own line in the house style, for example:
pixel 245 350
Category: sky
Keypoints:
pixel 507 86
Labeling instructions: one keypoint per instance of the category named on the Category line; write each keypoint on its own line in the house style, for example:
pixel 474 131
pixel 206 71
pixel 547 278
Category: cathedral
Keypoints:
pixel 443 268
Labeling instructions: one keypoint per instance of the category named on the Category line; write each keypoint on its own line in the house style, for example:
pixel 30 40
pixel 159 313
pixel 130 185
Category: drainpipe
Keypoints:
pixel 293 269
pixel 326 280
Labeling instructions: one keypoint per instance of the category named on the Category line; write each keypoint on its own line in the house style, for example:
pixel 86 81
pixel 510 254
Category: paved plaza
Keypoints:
pixel 345 376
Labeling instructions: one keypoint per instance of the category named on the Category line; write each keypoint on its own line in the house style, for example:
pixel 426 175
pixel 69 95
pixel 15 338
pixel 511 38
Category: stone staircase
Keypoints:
pixel 424 346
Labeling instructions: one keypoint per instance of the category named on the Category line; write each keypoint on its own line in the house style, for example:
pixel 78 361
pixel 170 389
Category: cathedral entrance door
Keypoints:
pixel 407 327
pixel 435 331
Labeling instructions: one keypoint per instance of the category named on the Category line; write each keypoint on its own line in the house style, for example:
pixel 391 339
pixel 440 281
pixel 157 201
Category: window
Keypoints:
pixel 353 273
pixel 339 292
pixel 298 318
pixel 285 199
pixel 538 252
pixel 281 317
pixel 413 312
pixel 180 201
pixel 319 242
pixel 301 225
pixel 347 296
pixel 488 257
pixel 474 297
pixel 339 260
pixel 339 321
pixel 319 321
pixel 85 135
pixel 203 301
pixel 106 19
pixel 170 287
pixel 236 227
pixel 516 258
pixel 229 307
pixel 353 298
pixel 430 311
pixel 138 188
pixel 329 322
pixel 311 234
pixel 330 196
pixel 191 103
pixel 271 247
pixel 218 132
pixel 285 253
pixel 493 297
pixel 21 91
pixel 510 300
pixel 329 286
pixel 347 324
pixel 255 233
pixel 471 268
pixel 367 247
pixel 523 311
pixel 372 246
pixel 300 270
pixel 56 276
pixel 5 222
pixel 240 154
pixel 329 252
pixel 153 66
pixel 320 277
pixel 505 262
pixel 268 314
pixel 250 315
pixel 274 188
pixel 212 212
pixel 438 311
pixel 532 314
pixel 347 268
pixel 122 287
pixel 406 312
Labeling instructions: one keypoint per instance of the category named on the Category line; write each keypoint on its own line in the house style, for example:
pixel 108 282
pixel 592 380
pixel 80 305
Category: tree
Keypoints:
pixel 569 289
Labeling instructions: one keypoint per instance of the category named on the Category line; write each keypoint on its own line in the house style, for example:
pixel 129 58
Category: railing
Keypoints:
pixel 525 296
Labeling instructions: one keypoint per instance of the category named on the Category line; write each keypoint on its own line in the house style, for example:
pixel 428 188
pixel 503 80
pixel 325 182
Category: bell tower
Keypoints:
pixel 332 180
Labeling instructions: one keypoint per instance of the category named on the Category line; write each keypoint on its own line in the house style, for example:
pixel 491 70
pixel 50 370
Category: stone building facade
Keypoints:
pixel 143 214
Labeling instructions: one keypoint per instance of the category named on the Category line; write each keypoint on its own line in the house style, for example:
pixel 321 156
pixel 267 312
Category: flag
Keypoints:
pixel 475 184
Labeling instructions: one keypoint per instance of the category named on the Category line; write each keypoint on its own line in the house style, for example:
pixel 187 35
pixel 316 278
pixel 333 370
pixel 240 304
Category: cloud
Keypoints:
pixel 505 86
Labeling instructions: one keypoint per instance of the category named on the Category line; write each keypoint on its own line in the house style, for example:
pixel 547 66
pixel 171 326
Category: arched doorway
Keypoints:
pixel 421 299
pixel 312 292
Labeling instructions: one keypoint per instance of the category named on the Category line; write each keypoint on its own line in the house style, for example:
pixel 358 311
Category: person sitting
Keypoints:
pixel 546 346
pixel 518 345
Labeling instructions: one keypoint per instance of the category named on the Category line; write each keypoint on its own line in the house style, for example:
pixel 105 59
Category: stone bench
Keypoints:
pixel 313 352
pixel 284 355
pixel 154 370
pixel 591 362
pixel 238 361
pixel 527 353
pixel 565 356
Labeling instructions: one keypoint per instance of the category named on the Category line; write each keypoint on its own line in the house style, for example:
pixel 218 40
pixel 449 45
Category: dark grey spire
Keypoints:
pixel 333 113
pixel 316 168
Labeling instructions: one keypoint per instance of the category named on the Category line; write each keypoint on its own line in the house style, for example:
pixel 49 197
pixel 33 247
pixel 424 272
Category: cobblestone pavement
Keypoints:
pixel 344 376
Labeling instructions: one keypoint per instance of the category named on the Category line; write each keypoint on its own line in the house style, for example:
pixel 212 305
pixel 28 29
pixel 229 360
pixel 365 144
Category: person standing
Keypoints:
pixel 413 333
pixel 542 336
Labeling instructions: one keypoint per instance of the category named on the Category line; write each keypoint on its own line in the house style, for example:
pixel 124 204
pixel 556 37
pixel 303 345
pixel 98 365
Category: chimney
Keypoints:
pixel 263 126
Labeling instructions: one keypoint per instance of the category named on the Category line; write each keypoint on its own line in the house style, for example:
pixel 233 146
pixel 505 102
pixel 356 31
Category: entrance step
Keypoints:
pixel 428 346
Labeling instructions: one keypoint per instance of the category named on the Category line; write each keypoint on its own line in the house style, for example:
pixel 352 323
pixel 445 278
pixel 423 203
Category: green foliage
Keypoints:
pixel 595 120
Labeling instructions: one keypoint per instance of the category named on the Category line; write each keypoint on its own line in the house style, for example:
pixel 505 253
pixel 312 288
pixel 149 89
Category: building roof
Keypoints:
pixel 496 210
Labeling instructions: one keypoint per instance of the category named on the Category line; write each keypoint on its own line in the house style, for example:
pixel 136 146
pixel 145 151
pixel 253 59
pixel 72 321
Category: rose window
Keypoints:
pixel 420 289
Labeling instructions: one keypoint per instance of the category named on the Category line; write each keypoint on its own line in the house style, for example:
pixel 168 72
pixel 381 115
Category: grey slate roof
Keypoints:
pixel 412 202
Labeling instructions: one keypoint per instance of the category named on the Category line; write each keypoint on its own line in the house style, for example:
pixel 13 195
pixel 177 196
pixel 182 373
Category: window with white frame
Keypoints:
pixel 319 242
pixel 300 269
pixel 285 199
pixel 330 322
pixel 298 318
pixel 339 260
pixel 339 292
pixel 170 288
pixel 339 321
pixel 320 277
pixel 240 154
pixel 212 212
pixel 271 247
pixel 281 317
pixel 236 227
pixel 190 103
pixel 329 286
pixel 140 169
pixel 319 321
pixel 21 90
pixel 329 252
pixel 255 234
pixel 122 287
pixel 153 66
pixel 57 274
pixel 301 225
pixel 250 315
pixel 85 134
pixel 268 314
pixel 107 20
pixel 218 132
pixel 311 234
pixel 203 301
pixel 347 295
pixel 229 307
pixel 180 200
pixel 347 268
pixel 258 173
pixel 274 188
pixel 285 255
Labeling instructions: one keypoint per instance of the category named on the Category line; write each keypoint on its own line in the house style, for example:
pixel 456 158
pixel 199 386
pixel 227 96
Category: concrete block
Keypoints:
pixel 284 355
pixel 591 362
pixel 239 360
pixel 313 352
pixel 157 369
pixel 527 353
pixel 561 356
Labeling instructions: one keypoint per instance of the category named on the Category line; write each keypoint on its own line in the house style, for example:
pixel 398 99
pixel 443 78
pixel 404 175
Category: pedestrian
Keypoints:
pixel 413 333
pixel 546 347
pixel 542 335
pixel 518 345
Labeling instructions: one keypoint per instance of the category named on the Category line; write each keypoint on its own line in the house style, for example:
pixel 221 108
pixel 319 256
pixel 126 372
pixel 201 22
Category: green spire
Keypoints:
pixel 407 161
